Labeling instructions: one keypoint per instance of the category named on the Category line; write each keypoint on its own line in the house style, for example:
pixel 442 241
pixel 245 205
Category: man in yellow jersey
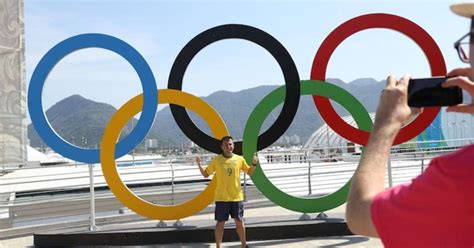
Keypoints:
pixel 228 195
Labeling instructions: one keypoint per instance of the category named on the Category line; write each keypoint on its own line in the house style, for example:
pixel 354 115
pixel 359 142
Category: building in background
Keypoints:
pixel 151 144
pixel 456 128
pixel 446 130
pixel 13 136
pixel 328 141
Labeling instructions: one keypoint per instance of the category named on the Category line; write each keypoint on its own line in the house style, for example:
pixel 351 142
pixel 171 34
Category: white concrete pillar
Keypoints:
pixel 13 136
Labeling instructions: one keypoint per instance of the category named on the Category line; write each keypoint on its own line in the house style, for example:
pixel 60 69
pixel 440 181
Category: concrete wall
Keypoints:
pixel 13 136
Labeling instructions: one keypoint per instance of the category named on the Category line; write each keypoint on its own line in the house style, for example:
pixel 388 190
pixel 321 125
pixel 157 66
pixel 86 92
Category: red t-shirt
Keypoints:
pixel 435 210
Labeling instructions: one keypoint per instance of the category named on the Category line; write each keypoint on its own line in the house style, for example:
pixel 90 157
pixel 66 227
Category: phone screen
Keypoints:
pixel 428 92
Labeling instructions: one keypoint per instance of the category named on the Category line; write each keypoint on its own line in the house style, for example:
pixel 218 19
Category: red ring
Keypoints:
pixel 338 35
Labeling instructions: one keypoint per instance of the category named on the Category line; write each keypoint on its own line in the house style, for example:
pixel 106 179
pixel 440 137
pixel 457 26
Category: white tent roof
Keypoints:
pixel 35 155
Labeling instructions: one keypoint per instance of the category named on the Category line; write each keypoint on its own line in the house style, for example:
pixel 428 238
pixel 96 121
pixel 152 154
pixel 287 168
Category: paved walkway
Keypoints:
pixel 349 241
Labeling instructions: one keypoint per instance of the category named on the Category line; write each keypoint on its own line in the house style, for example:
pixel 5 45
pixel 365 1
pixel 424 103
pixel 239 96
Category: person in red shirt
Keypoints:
pixel 437 208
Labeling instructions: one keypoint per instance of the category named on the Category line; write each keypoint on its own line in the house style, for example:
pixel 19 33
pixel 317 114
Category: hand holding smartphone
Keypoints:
pixel 429 92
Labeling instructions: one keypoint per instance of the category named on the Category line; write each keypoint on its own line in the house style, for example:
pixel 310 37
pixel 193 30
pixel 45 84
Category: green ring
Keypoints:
pixel 252 129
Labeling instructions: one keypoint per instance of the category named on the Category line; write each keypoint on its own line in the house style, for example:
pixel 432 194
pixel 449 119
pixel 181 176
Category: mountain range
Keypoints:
pixel 81 121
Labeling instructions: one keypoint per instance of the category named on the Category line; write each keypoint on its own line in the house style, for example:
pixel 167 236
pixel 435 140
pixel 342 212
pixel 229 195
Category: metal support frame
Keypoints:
pixel 310 191
pixel 93 226
pixel 321 216
pixel 178 223
pixel 305 217
pixel 161 224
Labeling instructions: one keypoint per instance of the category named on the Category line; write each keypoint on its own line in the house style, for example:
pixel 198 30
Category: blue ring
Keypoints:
pixel 58 52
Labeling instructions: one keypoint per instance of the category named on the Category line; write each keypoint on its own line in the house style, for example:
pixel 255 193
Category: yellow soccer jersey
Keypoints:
pixel 228 177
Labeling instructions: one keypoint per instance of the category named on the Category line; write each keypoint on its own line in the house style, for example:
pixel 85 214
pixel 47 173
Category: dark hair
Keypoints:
pixel 226 138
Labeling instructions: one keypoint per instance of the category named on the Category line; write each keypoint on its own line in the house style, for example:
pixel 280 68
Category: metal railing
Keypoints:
pixel 74 195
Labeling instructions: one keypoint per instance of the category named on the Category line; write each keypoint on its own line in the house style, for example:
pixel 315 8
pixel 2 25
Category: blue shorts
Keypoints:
pixel 224 209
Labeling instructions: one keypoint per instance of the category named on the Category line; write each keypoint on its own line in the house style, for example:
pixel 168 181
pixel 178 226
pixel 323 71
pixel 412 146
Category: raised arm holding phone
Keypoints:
pixel 437 208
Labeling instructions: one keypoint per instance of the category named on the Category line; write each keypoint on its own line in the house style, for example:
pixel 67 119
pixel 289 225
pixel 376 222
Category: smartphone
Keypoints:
pixel 428 92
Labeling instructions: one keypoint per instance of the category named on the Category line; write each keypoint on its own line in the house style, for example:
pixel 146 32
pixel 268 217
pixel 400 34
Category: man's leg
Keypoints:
pixel 240 227
pixel 237 212
pixel 219 233
pixel 221 215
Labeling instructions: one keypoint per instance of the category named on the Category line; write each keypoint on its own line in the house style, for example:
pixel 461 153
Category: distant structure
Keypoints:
pixel 328 141
pixel 295 139
pixel 446 130
pixel 13 134
pixel 289 140
pixel 456 128
pixel 151 144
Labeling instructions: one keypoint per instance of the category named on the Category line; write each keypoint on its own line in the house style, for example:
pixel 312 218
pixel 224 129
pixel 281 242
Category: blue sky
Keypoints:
pixel 159 29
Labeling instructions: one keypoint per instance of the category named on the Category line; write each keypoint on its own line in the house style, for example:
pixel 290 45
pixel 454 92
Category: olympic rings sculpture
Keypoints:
pixel 252 142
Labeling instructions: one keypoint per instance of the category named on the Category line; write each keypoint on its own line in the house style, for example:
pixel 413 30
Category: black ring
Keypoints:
pixel 257 36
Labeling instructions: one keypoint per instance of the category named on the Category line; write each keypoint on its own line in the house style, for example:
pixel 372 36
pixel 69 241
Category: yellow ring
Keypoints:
pixel 109 168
